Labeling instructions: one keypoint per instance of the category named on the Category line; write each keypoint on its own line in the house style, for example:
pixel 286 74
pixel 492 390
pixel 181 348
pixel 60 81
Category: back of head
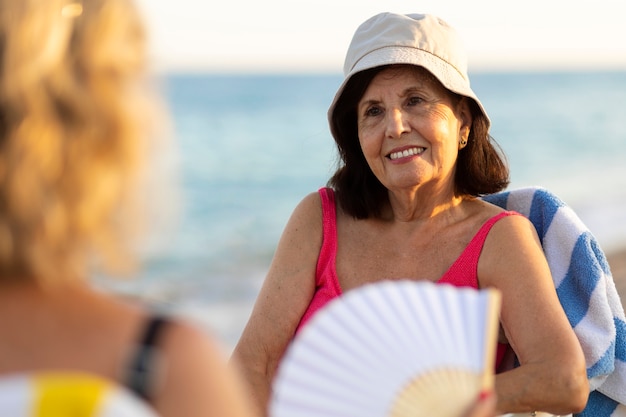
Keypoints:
pixel 73 121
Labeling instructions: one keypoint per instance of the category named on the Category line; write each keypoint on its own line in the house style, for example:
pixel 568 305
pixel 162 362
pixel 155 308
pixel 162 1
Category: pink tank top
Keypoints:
pixel 462 273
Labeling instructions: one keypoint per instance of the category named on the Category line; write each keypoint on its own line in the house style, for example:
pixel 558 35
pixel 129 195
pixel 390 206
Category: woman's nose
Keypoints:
pixel 396 123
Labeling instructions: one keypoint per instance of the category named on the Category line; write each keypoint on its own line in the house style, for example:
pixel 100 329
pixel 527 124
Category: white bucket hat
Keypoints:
pixel 417 39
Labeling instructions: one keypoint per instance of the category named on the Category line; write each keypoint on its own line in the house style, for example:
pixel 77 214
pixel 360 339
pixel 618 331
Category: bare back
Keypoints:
pixel 76 328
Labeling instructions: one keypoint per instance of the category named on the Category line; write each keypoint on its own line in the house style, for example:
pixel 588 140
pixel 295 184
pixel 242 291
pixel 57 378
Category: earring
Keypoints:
pixel 462 143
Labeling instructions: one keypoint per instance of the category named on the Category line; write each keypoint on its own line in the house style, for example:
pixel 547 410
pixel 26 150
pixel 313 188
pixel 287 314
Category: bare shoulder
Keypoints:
pixel 304 227
pixel 514 229
pixel 192 353
pixel 512 254
pixel 183 336
pixel 310 207
pixel 505 226
pixel 197 380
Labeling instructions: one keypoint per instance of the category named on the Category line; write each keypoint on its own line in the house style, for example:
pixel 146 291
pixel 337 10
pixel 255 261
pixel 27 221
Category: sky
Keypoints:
pixel 312 36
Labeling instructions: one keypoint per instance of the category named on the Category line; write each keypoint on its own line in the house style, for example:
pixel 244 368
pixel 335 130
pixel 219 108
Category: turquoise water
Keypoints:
pixel 252 146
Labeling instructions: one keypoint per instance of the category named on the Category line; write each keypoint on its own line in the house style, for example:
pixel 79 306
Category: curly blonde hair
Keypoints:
pixel 75 121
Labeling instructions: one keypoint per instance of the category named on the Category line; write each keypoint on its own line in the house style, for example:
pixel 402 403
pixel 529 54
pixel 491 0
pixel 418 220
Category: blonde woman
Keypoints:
pixel 75 146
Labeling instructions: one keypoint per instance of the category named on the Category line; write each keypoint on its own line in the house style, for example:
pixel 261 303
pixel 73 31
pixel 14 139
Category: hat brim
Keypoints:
pixel 446 73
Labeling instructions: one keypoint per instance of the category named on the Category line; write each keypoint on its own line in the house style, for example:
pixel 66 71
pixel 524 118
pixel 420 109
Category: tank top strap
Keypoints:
pixel 479 239
pixel 329 216
pixel 464 271
pixel 328 251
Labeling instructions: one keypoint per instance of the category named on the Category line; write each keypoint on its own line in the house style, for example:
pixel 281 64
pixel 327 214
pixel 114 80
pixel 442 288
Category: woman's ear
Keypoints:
pixel 465 122
pixel 465 116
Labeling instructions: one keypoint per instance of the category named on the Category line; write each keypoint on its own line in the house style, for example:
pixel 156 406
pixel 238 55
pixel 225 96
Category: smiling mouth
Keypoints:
pixel 405 153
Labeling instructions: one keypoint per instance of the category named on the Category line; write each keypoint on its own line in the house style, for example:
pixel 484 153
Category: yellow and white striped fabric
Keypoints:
pixel 67 394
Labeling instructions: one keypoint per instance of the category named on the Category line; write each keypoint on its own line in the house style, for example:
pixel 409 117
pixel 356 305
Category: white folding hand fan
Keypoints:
pixel 391 349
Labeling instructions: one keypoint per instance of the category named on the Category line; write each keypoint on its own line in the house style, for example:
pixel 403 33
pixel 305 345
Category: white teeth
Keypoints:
pixel 405 153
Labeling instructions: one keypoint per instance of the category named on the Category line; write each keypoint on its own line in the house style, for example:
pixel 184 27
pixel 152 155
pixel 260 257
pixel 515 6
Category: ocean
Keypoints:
pixel 250 147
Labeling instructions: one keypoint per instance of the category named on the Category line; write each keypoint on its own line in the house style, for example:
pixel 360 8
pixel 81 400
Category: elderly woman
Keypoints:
pixel 77 137
pixel 416 153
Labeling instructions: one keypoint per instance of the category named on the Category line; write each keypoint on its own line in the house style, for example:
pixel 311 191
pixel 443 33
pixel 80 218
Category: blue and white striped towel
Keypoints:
pixel 586 290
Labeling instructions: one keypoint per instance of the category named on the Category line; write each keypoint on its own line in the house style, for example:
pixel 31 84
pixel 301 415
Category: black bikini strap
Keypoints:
pixel 145 363
pixel 152 330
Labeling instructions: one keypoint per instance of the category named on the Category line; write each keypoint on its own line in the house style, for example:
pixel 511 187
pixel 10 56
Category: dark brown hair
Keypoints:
pixel 481 166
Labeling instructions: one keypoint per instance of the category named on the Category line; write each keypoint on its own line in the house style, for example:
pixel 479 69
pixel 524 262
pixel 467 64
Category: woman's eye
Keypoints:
pixel 415 100
pixel 373 111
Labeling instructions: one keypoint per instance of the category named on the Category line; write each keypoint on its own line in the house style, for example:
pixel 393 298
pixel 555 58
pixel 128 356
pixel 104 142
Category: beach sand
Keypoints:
pixel 617 262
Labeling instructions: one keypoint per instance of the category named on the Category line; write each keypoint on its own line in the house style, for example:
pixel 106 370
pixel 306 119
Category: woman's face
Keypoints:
pixel 410 127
